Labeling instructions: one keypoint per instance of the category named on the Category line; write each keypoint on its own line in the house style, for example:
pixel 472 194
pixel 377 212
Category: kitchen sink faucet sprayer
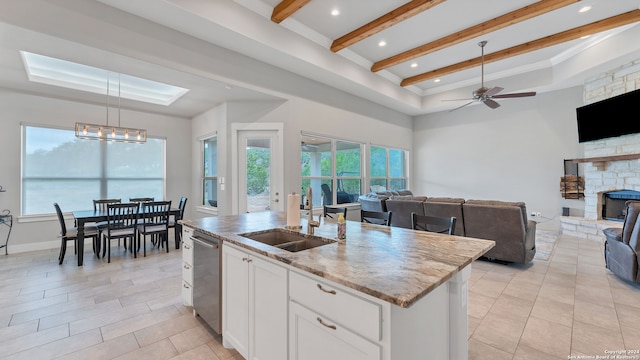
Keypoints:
pixel 308 205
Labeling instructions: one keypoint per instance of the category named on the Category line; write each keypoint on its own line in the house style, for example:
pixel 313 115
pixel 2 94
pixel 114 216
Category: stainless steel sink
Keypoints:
pixel 287 240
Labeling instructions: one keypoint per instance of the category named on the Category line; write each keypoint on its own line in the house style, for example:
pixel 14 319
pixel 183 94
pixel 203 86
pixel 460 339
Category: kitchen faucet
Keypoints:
pixel 311 224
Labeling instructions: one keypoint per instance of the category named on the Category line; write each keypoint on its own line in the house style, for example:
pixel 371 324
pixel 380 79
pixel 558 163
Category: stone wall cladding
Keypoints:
pixel 616 175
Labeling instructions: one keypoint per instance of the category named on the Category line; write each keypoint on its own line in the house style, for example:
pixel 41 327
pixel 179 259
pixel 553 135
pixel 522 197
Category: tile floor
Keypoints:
pixel 131 308
pixel 568 305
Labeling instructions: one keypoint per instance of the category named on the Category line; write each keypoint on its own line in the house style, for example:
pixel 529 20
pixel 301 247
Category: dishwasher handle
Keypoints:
pixel 205 243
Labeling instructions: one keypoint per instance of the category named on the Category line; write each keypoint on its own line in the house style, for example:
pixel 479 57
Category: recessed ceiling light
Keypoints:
pixel 436 80
pixel 382 43
pixel 584 9
pixel 585 37
pixel 414 65
pixel 51 71
pixel 335 12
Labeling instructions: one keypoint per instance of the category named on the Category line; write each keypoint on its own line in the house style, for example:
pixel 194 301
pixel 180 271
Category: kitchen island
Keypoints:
pixel 387 293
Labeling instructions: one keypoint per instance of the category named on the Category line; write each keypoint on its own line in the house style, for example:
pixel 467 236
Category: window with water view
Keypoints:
pixel 58 167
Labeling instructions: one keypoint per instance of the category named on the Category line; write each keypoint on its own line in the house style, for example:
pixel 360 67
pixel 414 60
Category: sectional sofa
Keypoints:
pixel 504 222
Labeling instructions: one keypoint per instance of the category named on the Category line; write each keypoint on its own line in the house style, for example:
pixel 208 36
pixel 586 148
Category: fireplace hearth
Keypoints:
pixel 613 203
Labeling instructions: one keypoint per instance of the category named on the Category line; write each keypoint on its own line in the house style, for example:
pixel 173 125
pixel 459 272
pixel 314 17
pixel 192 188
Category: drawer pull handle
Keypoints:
pixel 326 325
pixel 185 286
pixel 332 292
pixel 186 266
pixel 186 246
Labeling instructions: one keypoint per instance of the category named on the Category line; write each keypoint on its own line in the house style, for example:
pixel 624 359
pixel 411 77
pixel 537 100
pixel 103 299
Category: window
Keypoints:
pixel 332 168
pixel 210 178
pixel 387 169
pixel 58 167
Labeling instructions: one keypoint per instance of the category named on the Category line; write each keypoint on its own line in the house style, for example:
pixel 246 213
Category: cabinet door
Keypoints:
pixel 268 310
pixel 235 299
pixel 314 337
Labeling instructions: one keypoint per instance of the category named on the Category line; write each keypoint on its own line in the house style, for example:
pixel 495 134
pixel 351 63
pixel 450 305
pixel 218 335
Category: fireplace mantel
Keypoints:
pixel 607 158
pixel 601 161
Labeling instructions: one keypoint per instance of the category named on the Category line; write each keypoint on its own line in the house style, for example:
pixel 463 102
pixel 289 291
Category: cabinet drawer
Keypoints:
pixel 349 310
pixel 187 250
pixel 187 272
pixel 187 294
pixel 312 337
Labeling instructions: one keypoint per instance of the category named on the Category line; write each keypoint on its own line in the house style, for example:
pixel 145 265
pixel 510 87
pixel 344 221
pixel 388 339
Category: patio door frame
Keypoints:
pixel 277 180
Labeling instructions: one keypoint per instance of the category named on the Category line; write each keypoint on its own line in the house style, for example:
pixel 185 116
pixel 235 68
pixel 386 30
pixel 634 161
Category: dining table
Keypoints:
pixel 83 217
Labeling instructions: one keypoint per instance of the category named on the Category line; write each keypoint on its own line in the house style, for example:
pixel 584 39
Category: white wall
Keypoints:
pixel 297 115
pixel 17 108
pixel 513 153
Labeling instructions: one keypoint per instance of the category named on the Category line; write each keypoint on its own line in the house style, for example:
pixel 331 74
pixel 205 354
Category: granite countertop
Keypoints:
pixel 393 264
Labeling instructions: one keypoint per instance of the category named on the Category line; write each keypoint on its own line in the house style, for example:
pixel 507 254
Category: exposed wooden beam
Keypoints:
pixel 286 8
pixel 572 34
pixel 514 17
pixel 387 20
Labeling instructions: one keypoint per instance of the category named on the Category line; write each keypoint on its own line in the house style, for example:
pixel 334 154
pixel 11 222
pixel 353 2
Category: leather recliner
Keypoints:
pixel 622 245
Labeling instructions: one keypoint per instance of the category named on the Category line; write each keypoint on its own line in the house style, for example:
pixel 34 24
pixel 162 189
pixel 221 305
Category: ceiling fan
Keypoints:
pixel 486 95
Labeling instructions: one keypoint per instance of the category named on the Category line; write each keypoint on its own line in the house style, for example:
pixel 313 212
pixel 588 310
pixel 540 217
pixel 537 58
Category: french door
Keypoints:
pixel 259 171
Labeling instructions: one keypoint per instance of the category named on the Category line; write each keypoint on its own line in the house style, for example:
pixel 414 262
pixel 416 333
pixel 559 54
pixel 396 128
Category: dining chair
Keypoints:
pixel 376 217
pixel 332 211
pixel 101 205
pixel 154 221
pixel 71 234
pixel 121 224
pixel 442 225
pixel 173 221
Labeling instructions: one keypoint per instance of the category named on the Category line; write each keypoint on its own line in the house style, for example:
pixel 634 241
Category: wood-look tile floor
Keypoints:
pixel 132 308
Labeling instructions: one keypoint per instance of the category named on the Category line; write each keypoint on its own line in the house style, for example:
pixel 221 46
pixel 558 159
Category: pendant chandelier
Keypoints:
pixel 109 132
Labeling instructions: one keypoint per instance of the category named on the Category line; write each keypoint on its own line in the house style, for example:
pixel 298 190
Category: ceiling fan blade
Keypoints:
pixel 490 103
pixel 467 99
pixel 469 103
pixel 515 95
pixel 492 91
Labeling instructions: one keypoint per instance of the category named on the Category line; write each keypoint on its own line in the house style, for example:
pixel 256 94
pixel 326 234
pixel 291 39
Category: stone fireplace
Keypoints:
pixel 609 165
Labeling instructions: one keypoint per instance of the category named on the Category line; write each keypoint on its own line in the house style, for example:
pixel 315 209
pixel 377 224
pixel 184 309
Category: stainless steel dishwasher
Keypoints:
pixel 207 266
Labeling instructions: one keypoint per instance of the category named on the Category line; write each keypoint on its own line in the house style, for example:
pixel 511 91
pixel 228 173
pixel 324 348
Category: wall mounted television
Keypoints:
pixel 611 117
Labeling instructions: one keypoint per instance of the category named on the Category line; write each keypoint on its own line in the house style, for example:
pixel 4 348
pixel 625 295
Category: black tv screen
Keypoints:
pixel 612 117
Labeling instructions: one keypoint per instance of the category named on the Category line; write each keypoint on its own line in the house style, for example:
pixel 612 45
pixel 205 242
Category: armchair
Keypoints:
pixel 622 245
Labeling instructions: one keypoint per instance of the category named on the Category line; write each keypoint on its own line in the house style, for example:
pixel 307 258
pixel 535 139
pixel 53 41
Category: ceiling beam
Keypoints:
pixel 572 34
pixel 508 19
pixel 386 21
pixel 286 8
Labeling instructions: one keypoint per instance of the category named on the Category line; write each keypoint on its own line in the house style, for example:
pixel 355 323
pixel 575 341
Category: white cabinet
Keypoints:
pixel 187 266
pixel 326 322
pixel 254 304
pixel 316 337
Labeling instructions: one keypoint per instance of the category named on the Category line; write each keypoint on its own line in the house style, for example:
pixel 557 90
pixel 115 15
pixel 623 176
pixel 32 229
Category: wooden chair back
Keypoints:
pixel 333 211
pixel 442 225
pixel 376 217
pixel 101 204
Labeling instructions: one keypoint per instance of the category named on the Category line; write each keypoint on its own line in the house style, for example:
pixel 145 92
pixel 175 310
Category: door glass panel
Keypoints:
pixel 258 152
pixel 210 180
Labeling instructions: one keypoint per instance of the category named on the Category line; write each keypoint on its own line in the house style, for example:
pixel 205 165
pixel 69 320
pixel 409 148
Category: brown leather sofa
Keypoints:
pixel 402 206
pixel 622 245
pixel 505 223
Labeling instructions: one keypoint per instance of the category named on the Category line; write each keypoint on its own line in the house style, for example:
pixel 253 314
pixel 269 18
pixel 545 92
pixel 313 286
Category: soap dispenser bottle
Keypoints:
pixel 342 227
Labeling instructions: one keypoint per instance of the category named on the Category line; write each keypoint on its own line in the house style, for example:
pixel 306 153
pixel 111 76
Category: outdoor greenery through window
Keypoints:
pixel 387 169
pixel 58 167
pixel 210 178
pixel 332 168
